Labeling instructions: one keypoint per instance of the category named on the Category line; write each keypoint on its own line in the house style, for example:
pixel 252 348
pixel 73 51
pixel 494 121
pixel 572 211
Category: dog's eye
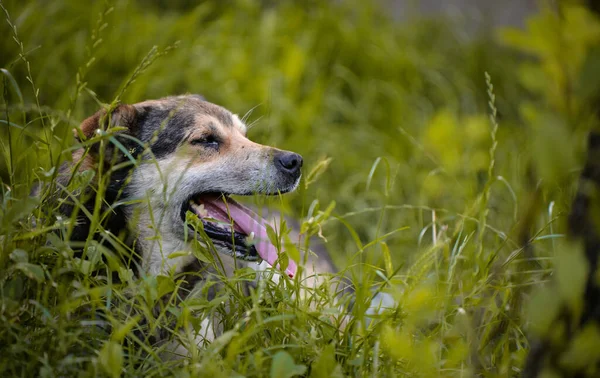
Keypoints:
pixel 207 141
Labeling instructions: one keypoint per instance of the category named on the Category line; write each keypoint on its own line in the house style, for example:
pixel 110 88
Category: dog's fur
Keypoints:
pixel 165 153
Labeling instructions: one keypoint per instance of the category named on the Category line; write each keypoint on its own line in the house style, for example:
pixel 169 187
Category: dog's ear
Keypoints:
pixel 125 116
pixel 122 115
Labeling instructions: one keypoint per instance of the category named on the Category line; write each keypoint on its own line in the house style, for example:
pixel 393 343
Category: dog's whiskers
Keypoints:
pixel 249 113
pixel 248 127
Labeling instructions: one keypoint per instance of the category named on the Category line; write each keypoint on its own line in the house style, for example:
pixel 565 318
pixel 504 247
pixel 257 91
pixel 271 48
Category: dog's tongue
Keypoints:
pixel 248 222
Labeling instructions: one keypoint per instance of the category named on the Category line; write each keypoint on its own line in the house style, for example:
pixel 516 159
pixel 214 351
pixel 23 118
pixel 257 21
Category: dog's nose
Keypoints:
pixel 289 162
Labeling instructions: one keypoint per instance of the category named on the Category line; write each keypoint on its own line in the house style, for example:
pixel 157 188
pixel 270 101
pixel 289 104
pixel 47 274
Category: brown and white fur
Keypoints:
pixel 183 147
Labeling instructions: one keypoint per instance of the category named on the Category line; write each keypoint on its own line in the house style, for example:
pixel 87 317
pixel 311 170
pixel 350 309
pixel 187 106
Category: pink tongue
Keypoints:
pixel 246 221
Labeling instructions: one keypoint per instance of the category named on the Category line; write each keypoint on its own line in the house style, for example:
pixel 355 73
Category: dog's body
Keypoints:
pixel 168 174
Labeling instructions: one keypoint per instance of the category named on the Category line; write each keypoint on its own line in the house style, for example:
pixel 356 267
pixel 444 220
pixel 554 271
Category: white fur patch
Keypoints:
pixel 239 124
pixel 178 349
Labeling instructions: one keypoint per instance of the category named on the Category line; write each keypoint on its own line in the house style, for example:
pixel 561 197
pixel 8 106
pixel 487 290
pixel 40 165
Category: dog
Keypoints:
pixel 169 167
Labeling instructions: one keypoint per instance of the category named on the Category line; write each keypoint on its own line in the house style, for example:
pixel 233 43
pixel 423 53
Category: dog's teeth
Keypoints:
pixel 203 212
pixel 250 239
pixel 199 209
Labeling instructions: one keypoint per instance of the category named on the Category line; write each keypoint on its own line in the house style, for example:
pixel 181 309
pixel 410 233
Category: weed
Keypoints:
pixel 400 131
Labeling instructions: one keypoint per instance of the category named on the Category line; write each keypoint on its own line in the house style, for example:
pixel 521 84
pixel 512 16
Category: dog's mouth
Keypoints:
pixel 233 226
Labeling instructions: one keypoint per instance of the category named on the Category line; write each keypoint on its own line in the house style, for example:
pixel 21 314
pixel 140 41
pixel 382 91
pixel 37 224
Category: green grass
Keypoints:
pixel 447 162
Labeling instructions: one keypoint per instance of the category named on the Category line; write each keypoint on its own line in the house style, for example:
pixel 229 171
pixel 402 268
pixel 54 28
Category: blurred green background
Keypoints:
pixel 389 105
pixel 399 106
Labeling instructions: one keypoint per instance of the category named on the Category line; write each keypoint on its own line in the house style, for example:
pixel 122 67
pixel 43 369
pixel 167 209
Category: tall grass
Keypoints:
pixel 439 170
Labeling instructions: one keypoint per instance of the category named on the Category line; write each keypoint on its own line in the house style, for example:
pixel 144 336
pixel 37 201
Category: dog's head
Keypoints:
pixel 194 154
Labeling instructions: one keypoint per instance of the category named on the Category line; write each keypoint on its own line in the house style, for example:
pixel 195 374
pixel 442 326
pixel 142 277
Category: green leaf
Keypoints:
pixel 272 235
pixel 125 275
pixel 291 249
pixel 111 358
pixel 387 258
pixel 13 83
pixel 33 271
pixel 274 239
pixel 324 215
pixel 166 285
pixel 149 287
pixel 201 253
pixel 84 266
pixel 571 273
pixel 19 210
pixel 317 171
pixel 283 366
pixel 93 254
pixel 325 365
pixel 246 273
pixel 584 349
pixel 553 145
pixel 19 256
pixel 178 254
pixel 124 329
pixel 398 345
pixel 222 341
pixel 47 173
pixel 84 178
pixel 542 310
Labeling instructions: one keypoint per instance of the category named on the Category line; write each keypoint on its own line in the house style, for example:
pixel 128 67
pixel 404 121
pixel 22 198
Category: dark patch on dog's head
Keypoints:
pixel 164 128
pixel 223 117
pixel 164 124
